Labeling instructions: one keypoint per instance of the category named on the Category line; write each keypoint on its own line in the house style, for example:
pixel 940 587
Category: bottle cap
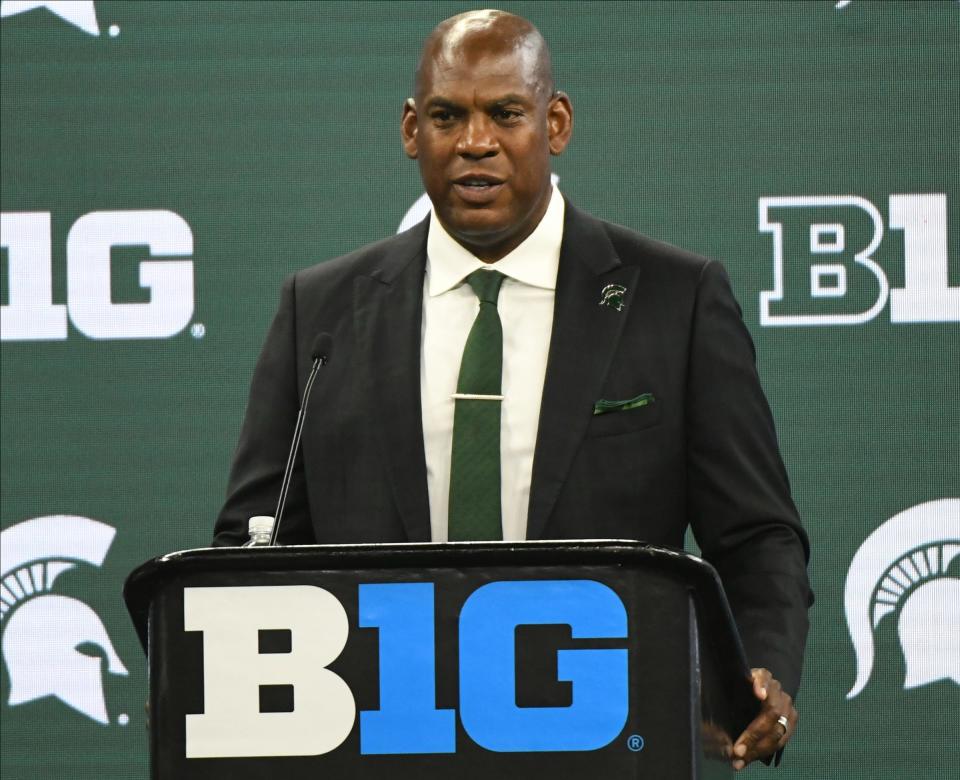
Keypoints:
pixel 260 524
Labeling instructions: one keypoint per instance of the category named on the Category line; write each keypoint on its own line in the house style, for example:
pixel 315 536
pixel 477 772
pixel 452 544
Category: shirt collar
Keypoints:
pixel 534 262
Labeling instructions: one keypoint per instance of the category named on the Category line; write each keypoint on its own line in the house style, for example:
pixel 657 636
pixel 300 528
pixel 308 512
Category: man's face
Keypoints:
pixel 483 129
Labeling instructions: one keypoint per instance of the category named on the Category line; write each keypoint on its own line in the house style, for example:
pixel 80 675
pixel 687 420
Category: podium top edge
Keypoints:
pixel 152 573
pixel 446 547
pixel 398 554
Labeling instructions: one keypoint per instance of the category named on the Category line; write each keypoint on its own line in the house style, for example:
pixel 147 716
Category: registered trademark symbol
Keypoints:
pixel 114 30
pixel 198 330
pixel 123 719
pixel 635 743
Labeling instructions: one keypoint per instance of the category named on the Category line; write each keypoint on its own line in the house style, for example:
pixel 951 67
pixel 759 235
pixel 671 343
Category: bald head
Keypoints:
pixel 483 125
pixel 475 34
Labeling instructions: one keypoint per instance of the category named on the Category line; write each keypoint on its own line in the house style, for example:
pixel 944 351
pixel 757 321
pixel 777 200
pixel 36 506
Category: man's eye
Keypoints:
pixel 506 115
pixel 441 116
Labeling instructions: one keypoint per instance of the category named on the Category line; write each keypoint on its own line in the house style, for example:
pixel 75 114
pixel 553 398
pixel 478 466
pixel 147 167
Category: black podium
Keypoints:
pixel 600 659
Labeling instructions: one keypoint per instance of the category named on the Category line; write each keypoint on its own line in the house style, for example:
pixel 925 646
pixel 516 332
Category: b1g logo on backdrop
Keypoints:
pixel 909 566
pixel 824 271
pixel 30 313
pixel 43 632
pixel 310 627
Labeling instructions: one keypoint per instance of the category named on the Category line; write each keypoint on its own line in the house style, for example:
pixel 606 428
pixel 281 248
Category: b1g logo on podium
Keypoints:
pixel 238 671
pixel 825 272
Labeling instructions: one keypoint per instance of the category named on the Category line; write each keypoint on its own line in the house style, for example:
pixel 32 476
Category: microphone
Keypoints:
pixel 320 352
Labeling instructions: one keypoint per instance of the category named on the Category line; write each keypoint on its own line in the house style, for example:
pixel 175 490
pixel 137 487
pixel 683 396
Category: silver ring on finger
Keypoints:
pixel 783 722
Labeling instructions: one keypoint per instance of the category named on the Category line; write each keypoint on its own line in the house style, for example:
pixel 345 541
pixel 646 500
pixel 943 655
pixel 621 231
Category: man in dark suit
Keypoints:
pixel 631 406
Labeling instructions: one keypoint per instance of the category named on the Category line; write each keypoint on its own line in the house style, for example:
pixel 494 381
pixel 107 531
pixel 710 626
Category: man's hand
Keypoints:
pixel 766 734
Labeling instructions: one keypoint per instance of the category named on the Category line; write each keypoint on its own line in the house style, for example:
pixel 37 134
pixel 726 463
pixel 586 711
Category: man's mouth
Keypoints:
pixel 478 180
pixel 477 188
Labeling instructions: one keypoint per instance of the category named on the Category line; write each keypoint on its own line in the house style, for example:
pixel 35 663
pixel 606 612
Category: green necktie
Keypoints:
pixel 475 463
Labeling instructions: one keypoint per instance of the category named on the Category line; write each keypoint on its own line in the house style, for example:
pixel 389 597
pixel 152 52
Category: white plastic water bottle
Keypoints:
pixel 259 527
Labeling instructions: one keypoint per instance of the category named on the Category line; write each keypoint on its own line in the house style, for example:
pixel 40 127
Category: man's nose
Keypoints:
pixel 478 139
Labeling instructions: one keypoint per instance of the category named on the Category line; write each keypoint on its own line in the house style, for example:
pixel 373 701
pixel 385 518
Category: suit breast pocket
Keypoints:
pixel 616 423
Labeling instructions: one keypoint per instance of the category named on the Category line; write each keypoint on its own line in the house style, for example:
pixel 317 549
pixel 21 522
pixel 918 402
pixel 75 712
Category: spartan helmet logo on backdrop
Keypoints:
pixel 42 631
pixel 905 566
pixel 80 13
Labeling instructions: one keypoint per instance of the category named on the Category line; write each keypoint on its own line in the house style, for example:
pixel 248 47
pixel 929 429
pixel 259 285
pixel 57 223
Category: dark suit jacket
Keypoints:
pixel 704 453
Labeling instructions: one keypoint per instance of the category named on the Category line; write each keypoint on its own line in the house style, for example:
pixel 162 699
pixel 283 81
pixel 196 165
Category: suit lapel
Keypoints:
pixel 584 340
pixel 387 316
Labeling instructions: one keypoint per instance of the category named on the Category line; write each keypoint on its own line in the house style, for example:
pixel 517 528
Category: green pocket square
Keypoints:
pixel 602 406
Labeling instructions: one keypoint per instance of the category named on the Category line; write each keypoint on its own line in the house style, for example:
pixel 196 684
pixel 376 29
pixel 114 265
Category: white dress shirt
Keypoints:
pixel 526 311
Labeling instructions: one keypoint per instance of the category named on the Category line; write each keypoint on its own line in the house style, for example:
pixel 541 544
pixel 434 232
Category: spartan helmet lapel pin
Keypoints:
pixel 612 296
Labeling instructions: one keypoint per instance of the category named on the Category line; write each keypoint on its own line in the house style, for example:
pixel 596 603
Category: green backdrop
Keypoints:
pixel 811 146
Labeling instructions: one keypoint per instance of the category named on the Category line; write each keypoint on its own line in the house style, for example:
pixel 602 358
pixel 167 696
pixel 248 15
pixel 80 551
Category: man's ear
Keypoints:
pixel 559 122
pixel 408 128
